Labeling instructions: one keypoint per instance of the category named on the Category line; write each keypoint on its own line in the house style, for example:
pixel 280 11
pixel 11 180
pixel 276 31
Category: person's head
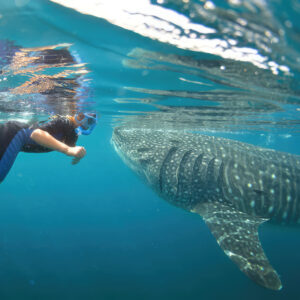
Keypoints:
pixel 85 123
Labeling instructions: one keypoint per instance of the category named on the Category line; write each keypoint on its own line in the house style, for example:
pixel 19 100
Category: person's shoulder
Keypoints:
pixel 57 123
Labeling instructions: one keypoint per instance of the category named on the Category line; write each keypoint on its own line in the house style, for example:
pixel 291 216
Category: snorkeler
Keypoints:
pixel 59 134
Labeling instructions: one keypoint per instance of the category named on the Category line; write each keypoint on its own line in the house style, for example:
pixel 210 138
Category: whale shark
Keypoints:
pixel 233 186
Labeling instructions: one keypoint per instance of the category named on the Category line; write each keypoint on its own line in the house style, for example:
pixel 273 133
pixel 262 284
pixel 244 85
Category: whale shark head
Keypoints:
pixel 140 149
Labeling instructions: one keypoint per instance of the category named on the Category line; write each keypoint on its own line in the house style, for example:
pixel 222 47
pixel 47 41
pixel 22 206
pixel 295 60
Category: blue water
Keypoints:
pixel 94 230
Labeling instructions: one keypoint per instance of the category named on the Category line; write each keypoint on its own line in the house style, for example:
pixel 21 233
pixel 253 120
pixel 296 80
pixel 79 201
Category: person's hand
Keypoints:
pixel 75 160
pixel 77 152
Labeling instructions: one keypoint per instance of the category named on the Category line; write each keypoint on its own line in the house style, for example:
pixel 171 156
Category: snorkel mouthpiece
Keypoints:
pixel 87 124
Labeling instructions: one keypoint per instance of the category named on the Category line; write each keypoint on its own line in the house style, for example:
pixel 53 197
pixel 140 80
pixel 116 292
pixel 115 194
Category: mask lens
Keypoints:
pixel 88 122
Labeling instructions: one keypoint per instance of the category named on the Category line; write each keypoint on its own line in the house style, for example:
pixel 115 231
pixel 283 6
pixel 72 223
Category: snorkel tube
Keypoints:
pixel 87 124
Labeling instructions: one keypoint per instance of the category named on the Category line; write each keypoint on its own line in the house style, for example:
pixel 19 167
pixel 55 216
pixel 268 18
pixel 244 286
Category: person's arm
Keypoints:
pixel 45 139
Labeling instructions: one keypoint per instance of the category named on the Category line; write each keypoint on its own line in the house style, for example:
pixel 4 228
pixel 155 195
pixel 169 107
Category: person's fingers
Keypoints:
pixel 75 160
pixel 82 150
pixel 81 153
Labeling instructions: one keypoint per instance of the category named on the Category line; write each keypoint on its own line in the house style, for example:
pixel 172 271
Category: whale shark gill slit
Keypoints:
pixel 220 178
pixel 183 179
pixel 197 183
pixel 163 174
pixel 210 173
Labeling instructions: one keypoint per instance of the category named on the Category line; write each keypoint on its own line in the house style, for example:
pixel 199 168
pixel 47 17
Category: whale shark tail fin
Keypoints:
pixel 237 234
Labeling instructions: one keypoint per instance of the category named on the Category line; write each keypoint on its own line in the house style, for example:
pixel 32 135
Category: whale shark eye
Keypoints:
pixel 260 192
pixel 144 161
pixel 144 149
pixel 174 142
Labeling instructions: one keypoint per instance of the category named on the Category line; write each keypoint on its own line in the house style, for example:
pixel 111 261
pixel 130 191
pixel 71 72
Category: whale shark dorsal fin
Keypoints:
pixel 237 234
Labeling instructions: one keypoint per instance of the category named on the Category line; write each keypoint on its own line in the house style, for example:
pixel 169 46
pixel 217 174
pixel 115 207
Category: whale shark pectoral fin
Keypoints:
pixel 237 234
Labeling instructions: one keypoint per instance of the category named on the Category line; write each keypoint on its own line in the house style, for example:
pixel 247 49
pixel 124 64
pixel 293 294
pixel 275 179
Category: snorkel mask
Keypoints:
pixel 87 124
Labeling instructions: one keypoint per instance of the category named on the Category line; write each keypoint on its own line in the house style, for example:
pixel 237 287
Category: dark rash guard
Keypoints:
pixel 61 128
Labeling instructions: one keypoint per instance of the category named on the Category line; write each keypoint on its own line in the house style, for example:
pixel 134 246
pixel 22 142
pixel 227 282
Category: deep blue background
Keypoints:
pixel 94 230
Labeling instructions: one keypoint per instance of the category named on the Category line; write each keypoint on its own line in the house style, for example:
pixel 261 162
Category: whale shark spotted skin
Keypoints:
pixel 233 186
